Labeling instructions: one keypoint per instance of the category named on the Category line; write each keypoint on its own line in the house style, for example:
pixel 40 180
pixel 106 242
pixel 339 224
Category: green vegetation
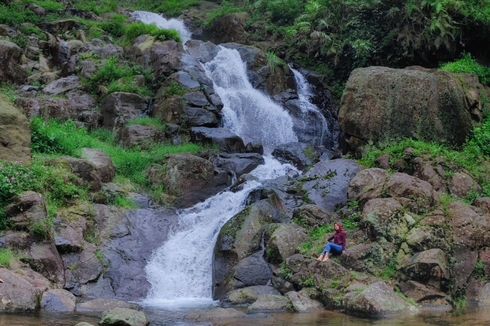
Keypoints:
pixel 149 122
pixel 96 6
pixel 172 7
pixel 460 306
pixel 174 89
pixel 474 157
pixel 125 202
pixel 274 62
pixel 225 9
pixel 65 138
pixel 6 257
pixel 389 271
pixel 479 271
pixel 316 241
pixel 468 65
pixel 136 29
pixel 120 77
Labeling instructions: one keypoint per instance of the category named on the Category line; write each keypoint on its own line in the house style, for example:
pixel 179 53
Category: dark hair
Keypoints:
pixel 341 226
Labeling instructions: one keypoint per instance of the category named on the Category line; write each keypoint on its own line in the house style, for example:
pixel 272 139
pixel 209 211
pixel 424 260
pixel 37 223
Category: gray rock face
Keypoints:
pixel 284 242
pixel 428 267
pixel 82 268
pixel 17 293
pixel 100 305
pixel 225 139
pixel 252 270
pixel 295 154
pixel 119 108
pixel 199 117
pixel 62 85
pixel 302 302
pixel 45 259
pixel 327 182
pixel 15 134
pixel 313 216
pixel 140 136
pixel 238 163
pixel 270 303
pixel 102 163
pixel 58 301
pixel 368 184
pixel 123 317
pixel 250 294
pixel 85 170
pixel 375 300
pixel 10 62
pixel 165 57
pixel 27 209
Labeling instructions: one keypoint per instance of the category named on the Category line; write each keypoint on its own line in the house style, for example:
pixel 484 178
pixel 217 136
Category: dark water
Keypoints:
pixel 184 318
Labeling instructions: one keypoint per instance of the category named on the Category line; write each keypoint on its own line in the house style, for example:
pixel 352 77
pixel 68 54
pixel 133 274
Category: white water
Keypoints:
pixel 180 272
pixel 163 23
pixel 305 95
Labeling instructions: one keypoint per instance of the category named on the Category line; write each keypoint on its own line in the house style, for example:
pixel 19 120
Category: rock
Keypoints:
pixel 375 300
pixel 102 163
pixel 123 317
pixel 58 300
pixel 225 139
pixel 17 293
pixel 270 303
pixel 368 184
pixel 62 85
pixel 384 218
pixel 284 242
pixel 216 314
pixel 84 324
pixel 470 229
pixel 104 50
pixel 140 136
pixel 426 237
pixel 303 303
pixel 404 185
pixel 313 216
pixel 10 63
pixel 83 267
pixel 69 238
pixel 252 270
pixel 26 210
pixel 427 172
pixel 165 58
pixel 118 108
pixel 464 264
pixel 327 182
pixel 483 299
pixel 189 178
pixel 45 259
pixel 229 28
pixel 420 292
pixel 250 294
pixel 169 109
pixel 100 305
pixel 238 163
pixel 295 154
pixel 199 117
pixel 462 185
pixel 85 170
pixel 15 133
pixel 483 203
pixel 428 267
pixel 364 257
pixel 381 103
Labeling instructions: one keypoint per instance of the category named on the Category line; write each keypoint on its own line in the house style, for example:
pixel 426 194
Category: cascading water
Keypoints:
pixel 163 23
pixel 180 272
pixel 305 95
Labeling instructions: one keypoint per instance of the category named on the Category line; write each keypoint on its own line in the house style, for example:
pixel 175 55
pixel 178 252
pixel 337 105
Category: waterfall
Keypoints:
pixel 180 271
pixel 305 94
pixel 163 23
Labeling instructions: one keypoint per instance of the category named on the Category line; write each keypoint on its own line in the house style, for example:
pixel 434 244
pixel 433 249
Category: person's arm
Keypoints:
pixel 331 238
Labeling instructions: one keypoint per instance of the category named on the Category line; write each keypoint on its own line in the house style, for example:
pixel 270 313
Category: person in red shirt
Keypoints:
pixel 336 246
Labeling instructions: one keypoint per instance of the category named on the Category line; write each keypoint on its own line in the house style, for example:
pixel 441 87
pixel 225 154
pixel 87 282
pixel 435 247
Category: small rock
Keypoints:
pixel 225 139
pixel 123 317
pixel 119 108
pixel 27 209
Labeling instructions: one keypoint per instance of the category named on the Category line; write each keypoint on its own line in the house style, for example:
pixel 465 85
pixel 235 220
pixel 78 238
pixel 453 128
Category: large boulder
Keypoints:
pixel 238 163
pixel 10 62
pixel 250 294
pixel 62 85
pixel 312 216
pixel 381 103
pixel 45 259
pixel 368 184
pixel 101 305
pixel 252 270
pixel 26 210
pixel 298 154
pixel 375 300
pixel 301 302
pixel 118 108
pixel 140 136
pixel 224 138
pixel 228 28
pixel 270 303
pixel 470 229
pixel 17 293
pixel 284 242
pixel 58 300
pixel 326 184
pixel 102 163
pixel 428 267
pixel 123 317
pixel 15 134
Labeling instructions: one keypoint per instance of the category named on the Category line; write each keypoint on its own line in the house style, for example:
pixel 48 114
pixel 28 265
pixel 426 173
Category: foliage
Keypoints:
pixel 136 29
pixel 65 138
pixel 174 89
pixel 119 77
pixel 6 257
pixel 96 6
pixel 116 25
pixel 316 241
pixel 175 7
pixel 49 5
pixel 224 9
pixel 149 122
pixel 389 271
pixel 125 202
pixel 469 65
pixel 273 61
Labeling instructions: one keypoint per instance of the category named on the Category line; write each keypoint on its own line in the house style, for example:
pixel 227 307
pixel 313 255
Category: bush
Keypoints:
pixel 137 29
pixel 96 6
pixel 176 7
pixel 6 257
pixel 116 26
pixel 224 10
pixel 468 65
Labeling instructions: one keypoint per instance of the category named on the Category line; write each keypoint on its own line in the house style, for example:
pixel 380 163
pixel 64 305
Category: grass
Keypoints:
pixel 65 138
pixel 317 239
pixel 389 271
pixel 96 6
pixel 468 65
pixel 6 257
pixel 274 62
pixel 175 7
pixel 223 10
pixel 174 89
pixel 125 202
pixel 149 122
pixel 137 29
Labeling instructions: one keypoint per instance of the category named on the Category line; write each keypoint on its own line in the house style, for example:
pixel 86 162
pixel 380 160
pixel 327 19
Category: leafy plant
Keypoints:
pixel 6 257
pixel 137 29
pixel 469 65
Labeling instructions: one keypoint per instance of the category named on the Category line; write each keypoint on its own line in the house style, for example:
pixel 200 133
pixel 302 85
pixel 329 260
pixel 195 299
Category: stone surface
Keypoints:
pixel 140 136
pixel 15 134
pixel 284 242
pixel 327 182
pixel 420 292
pixel 10 63
pixel 463 185
pixel 225 139
pixel 404 185
pixel 123 317
pixel 119 108
pixel 45 259
pixel 26 210
pixel 238 163
pixel 295 154
pixel 58 300
pixel 270 303
pixel 102 163
pixel 100 305
pixel 303 303
pixel 428 267
pixel 470 229
pixel 17 293
pixel 313 216
pixel 381 103
pixel 252 270
pixel 368 184
pixel 250 294
pixel 229 28
pixel 62 85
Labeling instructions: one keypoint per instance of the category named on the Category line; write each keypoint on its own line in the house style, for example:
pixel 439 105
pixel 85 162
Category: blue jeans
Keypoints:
pixel 332 248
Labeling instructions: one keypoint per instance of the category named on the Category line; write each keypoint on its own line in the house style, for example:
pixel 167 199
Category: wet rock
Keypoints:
pixel 313 216
pixel 238 163
pixel 225 139
pixel 15 134
pixel 84 324
pixel 463 185
pixel 58 300
pixel 199 117
pixel 327 182
pixel 62 85
pixel 301 302
pixel 428 267
pixel 377 100
pixel 140 136
pixel 102 163
pixel 420 292
pixel 252 270
pixel 100 305
pixel 270 303
pixel 45 259
pixel 375 300
pixel 10 63
pixel 16 292
pixel 123 317
pixel 284 242
pixel 216 315
pixel 250 294
pixel 26 209
pixel 295 154
pixel 118 108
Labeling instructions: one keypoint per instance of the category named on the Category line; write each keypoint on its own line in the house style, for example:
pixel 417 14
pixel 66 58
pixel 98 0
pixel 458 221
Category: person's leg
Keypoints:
pixel 326 251
pixel 336 249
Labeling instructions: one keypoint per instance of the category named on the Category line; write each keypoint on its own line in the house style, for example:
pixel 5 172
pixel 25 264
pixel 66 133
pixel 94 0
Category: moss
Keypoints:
pixel 6 257
pixel 231 228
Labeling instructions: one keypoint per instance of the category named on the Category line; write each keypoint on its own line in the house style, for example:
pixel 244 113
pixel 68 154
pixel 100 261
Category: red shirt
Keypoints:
pixel 340 238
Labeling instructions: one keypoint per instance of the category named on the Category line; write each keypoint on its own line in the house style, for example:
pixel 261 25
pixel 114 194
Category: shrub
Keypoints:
pixel 6 257
pixel 469 65
pixel 96 6
pixel 136 29
pixel 223 10
pixel 116 25
pixel 176 7
pixel 49 5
